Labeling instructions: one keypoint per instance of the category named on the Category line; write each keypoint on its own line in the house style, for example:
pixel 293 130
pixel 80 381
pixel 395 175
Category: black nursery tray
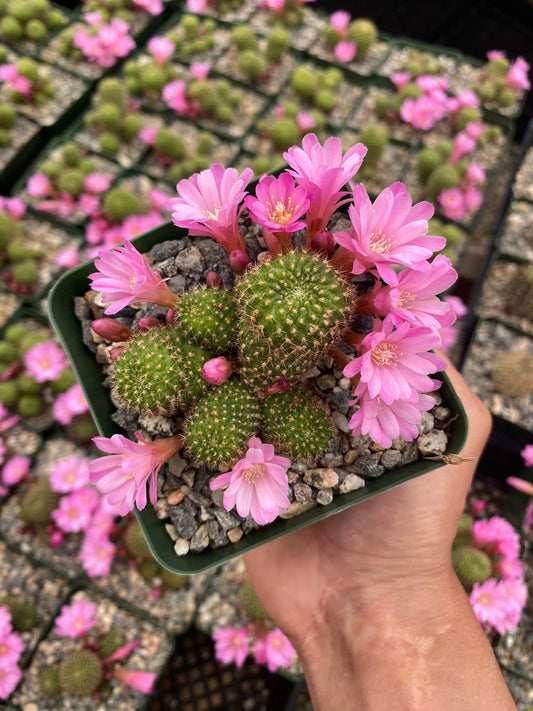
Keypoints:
pixel 89 373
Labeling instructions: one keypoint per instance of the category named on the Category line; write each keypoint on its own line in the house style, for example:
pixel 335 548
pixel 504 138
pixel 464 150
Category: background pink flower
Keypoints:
pixel 45 361
pixel 76 619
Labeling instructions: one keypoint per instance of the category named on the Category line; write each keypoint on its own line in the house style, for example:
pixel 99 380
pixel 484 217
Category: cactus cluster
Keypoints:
pixel 492 87
pixel 362 31
pixel 418 63
pixel 317 88
pixel 42 89
pixel 216 98
pixel 182 158
pixel 19 261
pixel 80 673
pixel 518 295
pixel 146 78
pixel 254 58
pixel 28 20
pixel 24 615
pixel 281 316
pixel 67 172
pixel 38 503
pixel 453 233
pixel 120 203
pixel 375 137
pixel 471 566
pixel 110 116
pixel 21 391
pixel 193 35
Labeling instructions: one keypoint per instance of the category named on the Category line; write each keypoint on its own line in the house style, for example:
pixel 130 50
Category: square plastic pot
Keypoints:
pixel 89 373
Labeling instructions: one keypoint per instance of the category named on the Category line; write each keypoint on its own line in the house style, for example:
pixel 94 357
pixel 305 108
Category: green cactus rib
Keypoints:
pixel 80 673
pixel 219 427
pixel 295 422
pixel 208 317
pixel 471 566
pixel 159 372
pixel 251 604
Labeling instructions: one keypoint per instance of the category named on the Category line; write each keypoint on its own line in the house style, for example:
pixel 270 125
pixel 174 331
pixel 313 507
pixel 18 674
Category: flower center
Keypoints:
pixel 255 472
pixel 386 354
pixel 380 243
pixel 3 649
pixel 281 213
pixel 406 299
pixel 212 214
pixel 132 282
pixel 485 599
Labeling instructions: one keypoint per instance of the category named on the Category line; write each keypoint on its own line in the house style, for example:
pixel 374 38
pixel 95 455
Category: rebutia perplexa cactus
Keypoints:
pixel 471 566
pixel 81 673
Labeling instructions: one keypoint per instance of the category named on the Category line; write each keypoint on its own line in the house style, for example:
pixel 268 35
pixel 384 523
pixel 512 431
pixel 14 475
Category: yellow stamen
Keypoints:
pixel 255 472
pixel 386 354
pixel 380 243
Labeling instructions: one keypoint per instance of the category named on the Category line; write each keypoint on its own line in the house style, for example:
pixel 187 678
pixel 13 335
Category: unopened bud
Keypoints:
pixel 238 261
pixel 147 322
pixel 280 386
pixel 111 330
pixel 323 242
pixel 170 318
pixel 214 280
pixel 217 370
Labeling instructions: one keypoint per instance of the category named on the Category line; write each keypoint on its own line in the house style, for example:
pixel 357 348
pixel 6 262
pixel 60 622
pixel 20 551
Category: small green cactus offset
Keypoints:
pixel 471 566
pixel 160 372
pixel 81 673
pixel 208 317
pixel 219 427
pixel 251 604
pixel 294 422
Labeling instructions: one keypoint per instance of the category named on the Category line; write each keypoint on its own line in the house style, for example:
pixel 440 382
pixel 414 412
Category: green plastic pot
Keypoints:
pixel 61 311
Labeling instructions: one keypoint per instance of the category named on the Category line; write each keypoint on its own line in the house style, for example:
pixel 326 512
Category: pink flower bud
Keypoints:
pixel 56 539
pixel 280 386
pixel 323 242
pixel 142 681
pixel 238 261
pixel 214 280
pixel 111 330
pixel 146 323
pixel 217 370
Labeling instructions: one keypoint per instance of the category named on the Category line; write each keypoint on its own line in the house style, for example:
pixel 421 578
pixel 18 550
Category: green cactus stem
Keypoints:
pixel 471 566
pixel 251 604
pixel 81 673
pixel 208 317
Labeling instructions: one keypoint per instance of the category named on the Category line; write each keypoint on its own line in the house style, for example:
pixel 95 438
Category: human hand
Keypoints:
pixel 391 545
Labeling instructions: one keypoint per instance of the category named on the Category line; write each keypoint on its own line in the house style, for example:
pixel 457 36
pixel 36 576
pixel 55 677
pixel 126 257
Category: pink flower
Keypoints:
pixel 400 79
pixel 257 484
pixel 475 174
pixel 123 652
pixel 136 225
pixel 396 363
pixel 279 110
pixel 515 592
pixel 468 99
pixel 415 300
pixel 517 76
pixel 97 183
pixel 89 205
pixel 147 134
pixel 9 678
pixel 463 145
pixel 11 647
pixel 15 470
pixel 424 112
pixel 452 203
pixel 345 51
pixel 323 171
pixel 7 421
pixel 106 42
pixel 390 231
pixel 153 7
pixel 259 649
pixel 279 204
pixel 497 536
pixel 68 258
pixel 527 455
pixel 122 475
pixel 200 70
pixel 339 21
pixel 69 474
pixel 208 204
pixel 279 651
pixel 14 206
pixel 142 681
pixel 69 404
pixel 45 361
pixel 305 121
pixel 231 645
pixel 124 277
pixel 473 198
pixel 384 423
pixel 196 5
pixel 39 185
pixel 459 308
pixel 96 555
pixel 490 604
pixel 75 510
pixel 494 54
pixel 474 129
pixel 175 96
pixel 162 49
pixel 217 370
pixel 76 619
